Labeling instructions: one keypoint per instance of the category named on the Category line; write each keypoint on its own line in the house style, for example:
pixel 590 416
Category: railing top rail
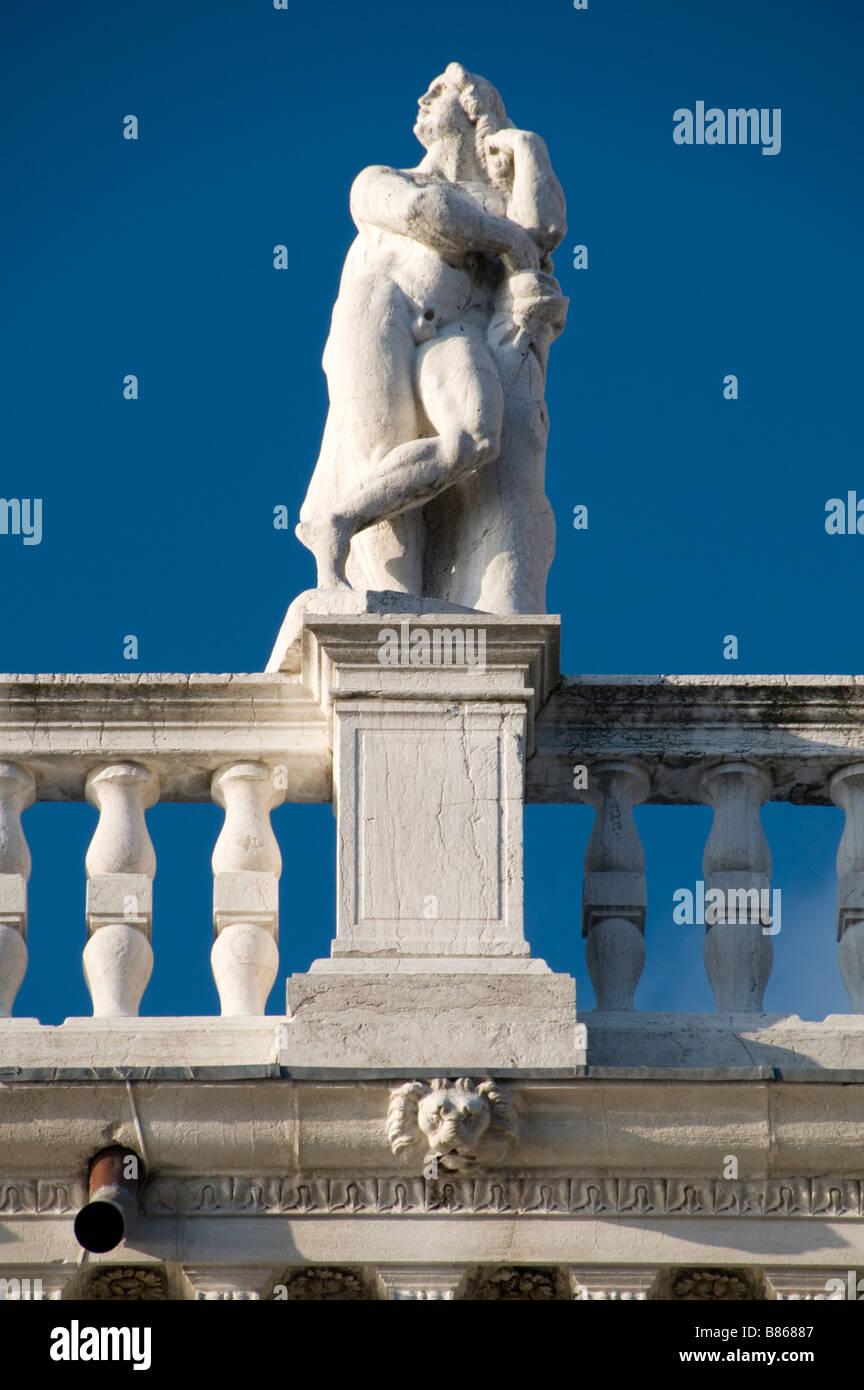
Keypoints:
pixel 757 680
pixel 183 727
pixel 800 729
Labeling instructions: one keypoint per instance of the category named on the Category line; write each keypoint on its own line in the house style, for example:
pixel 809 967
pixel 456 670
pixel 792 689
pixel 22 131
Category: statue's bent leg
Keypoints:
pixel 460 394
pixel 370 364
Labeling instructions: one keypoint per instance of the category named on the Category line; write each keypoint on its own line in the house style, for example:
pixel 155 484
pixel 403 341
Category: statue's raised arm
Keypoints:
pixel 520 159
pixel 438 215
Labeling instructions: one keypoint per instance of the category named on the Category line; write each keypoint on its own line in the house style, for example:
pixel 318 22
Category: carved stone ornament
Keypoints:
pixel 455 1120
pixel 716 1285
pixel 528 1284
pixel 132 1284
pixel 485 1190
pixel 319 1285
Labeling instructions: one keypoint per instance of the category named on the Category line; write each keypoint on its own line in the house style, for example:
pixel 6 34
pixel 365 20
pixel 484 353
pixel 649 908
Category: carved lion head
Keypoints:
pixel 454 1118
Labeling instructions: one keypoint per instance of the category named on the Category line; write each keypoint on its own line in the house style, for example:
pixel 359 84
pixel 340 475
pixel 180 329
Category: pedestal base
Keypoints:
pixel 455 1017
pixel 286 655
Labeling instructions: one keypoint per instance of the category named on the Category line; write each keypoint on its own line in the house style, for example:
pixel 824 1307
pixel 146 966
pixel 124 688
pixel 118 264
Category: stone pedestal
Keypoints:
pixel 431 719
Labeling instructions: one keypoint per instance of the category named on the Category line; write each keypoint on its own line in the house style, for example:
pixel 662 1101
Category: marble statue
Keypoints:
pixel 430 479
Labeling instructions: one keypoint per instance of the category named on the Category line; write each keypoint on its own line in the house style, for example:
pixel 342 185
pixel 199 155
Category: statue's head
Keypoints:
pixel 459 104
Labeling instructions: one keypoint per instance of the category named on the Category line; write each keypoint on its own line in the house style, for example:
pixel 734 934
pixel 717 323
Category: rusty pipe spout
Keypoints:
pixel 111 1213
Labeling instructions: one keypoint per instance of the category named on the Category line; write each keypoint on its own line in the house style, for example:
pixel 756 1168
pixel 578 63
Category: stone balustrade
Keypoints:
pixel 121 864
pixel 732 743
pixel 347 728
pixel 122 743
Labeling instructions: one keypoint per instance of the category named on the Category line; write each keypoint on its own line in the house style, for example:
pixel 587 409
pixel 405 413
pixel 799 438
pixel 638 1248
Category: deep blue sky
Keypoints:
pixel 155 257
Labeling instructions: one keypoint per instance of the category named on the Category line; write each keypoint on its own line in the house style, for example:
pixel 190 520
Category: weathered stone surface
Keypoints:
pixel 778 1130
pixel 140 1042
pixel 428 786
pixel 182 727
pixel 802 729
pixel 781 1041
pixel 187 726
pixel 429 1019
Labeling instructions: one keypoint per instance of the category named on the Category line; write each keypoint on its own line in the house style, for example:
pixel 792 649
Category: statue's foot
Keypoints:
pixel 330 541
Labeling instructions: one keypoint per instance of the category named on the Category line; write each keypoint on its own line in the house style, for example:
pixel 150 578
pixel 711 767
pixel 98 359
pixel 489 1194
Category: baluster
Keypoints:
pixel 121 862
pixel 847 790
pixel 613 895
pixel 246 869
pixel 17 791
pixel 738 955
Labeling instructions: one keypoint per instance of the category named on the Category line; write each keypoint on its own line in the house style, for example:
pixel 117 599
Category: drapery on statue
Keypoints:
pixel 430 479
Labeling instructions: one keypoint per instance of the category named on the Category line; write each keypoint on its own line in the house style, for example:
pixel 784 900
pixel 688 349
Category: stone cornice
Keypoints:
pixel 614 1126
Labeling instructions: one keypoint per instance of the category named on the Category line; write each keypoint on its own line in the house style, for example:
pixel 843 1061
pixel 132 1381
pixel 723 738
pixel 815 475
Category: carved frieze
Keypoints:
pixel 491 1193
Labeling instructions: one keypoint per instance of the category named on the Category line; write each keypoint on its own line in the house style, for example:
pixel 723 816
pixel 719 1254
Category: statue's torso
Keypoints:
pixel 451 289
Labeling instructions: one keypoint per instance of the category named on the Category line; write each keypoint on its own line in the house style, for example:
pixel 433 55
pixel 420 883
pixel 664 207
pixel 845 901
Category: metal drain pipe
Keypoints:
pixel 111 1214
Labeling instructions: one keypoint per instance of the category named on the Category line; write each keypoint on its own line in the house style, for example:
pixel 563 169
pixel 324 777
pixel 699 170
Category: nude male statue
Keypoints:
pixel 430 475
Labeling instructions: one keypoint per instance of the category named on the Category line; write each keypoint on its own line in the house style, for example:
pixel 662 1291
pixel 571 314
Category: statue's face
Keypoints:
pixel 440 114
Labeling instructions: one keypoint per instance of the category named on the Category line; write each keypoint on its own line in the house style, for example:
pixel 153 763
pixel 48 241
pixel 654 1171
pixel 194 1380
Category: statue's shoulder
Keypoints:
pixel 375 181
pixel 377 173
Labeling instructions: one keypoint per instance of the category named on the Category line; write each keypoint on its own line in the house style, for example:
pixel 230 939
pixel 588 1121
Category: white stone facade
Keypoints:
pixel 430 1118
